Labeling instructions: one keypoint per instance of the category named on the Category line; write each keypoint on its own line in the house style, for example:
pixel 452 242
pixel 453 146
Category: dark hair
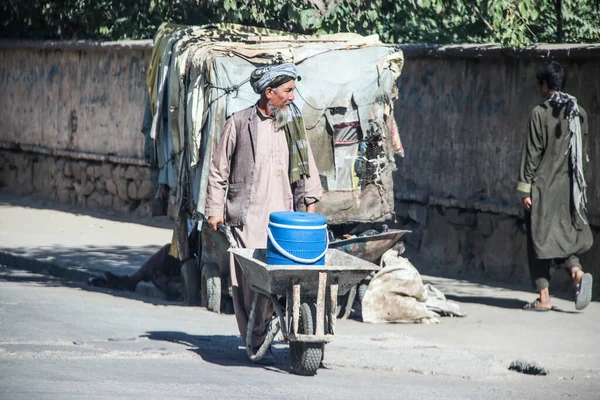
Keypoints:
pixel 554 74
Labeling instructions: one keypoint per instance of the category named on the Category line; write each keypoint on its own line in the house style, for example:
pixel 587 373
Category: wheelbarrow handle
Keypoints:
pixel 227 232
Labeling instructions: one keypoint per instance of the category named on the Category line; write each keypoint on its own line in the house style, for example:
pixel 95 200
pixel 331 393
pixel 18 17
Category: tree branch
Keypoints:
pixel 481 16
pixel 559 20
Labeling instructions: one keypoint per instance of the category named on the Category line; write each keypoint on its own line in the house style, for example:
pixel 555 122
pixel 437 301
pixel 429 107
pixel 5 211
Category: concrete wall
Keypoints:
pixel 462 117
pixel 77 97
pixel 462 113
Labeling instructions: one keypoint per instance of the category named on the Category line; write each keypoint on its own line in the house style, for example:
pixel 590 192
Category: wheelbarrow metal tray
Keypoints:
pixel 369 248
pixel 341 268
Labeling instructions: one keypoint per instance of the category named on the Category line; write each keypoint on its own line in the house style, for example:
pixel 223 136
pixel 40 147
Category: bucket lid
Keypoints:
pixel 297 218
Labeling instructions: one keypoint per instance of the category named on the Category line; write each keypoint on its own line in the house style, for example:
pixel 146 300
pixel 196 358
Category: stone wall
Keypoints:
pixel 71 113
pixel 476 244
pixel 92 184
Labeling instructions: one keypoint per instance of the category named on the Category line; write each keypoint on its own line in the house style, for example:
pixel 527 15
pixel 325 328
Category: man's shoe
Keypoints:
pixel 584 292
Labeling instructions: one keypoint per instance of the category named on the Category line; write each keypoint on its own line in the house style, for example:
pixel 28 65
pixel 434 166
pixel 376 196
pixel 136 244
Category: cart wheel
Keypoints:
pixel 211 288
pixel 306 357
pixel 345 303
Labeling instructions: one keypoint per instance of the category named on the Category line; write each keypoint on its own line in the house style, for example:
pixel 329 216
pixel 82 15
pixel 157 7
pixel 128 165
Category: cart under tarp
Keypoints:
pixel 199 76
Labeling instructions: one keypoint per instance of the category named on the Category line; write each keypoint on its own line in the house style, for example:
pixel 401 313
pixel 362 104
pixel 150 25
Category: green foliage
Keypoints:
pixel 510 22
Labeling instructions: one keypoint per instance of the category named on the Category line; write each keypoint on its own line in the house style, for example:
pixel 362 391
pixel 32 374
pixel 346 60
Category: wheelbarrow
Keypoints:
pixel 214 264
pixel 311 295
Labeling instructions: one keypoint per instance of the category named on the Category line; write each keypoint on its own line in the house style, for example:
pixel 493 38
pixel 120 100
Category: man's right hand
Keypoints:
pixel 215 221
pixel 527 203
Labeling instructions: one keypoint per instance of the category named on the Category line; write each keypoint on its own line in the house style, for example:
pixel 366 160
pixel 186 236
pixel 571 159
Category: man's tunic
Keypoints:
pixel 270 192
pixel 546 175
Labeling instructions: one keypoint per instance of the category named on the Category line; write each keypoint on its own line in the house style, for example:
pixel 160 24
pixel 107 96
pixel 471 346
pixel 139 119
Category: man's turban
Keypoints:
pixel 272 76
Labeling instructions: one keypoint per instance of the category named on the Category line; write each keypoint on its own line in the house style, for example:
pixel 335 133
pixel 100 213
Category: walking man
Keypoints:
pixel 264 163
pixel 553 189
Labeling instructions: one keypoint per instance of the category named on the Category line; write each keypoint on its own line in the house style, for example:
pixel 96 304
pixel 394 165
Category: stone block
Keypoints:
pixel 132 190
pixel 485 223
pixel 25 175
pixel 63 195
pixel 444 242
pixel 21 161
pixel 10 177
pixel 145 190
pixel 94 200
pixel 68 170
pixel 84 189
pixel 119 204
pixel 418 213
pixel 76 169
pixel 122 189
pixel 131 172
pixel 107 201
pixel 144 210
pixel 100 186
pixel 72 197
pixel 60 164
pixel 461 217
pixel 80 199
pixel 118 173
pixel 106 170
pixel 64 183
pixel 111 187
pixel 144 174
pixel 93 171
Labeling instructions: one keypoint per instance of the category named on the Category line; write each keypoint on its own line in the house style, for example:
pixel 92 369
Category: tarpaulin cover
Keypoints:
pixel 199 76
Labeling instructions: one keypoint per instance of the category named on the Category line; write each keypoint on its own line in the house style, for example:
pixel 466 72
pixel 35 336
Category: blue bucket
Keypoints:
pixel 296 238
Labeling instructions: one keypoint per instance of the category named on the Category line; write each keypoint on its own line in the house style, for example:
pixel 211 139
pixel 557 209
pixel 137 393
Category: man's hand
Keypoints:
pixel 527 203
pixel 215 221
pixel 311 208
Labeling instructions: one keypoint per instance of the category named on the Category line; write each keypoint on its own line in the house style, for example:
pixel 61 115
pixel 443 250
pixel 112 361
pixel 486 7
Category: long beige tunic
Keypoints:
pixel 271 192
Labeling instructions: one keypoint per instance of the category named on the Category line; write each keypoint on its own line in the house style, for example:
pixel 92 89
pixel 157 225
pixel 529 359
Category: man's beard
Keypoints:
pixel 281 115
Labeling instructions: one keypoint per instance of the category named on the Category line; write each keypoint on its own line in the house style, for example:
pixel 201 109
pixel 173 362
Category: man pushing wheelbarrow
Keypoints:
pixel 264 163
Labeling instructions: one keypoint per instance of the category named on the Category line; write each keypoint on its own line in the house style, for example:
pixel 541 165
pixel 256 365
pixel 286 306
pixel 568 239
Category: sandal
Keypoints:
pixel 534 306
pixel 584 291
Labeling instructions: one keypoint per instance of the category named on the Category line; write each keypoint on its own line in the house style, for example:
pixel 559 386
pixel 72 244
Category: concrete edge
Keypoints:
pixel 74 273
pixel 46 266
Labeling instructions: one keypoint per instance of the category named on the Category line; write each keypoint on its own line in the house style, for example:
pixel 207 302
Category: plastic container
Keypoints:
pixel 296 238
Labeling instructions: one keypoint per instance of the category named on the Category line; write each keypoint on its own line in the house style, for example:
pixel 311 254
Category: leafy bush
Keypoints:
pixel 510 22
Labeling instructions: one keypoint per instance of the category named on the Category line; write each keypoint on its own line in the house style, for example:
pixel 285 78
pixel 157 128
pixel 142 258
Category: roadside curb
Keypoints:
pixel 45 266
pixel 70 272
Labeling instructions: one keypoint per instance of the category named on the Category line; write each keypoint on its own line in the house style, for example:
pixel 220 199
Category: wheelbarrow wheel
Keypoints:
pixel 306 357
pixel 191 282
pixel 210 288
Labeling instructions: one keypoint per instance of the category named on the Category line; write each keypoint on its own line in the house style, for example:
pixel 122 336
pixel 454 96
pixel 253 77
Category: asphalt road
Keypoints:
pixel 60 341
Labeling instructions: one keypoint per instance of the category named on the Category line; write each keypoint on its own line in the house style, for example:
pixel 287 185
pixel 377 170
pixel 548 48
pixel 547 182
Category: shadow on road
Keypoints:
pixel 117 259
pixel 224 350
pixel 16 275
pixel 489 301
